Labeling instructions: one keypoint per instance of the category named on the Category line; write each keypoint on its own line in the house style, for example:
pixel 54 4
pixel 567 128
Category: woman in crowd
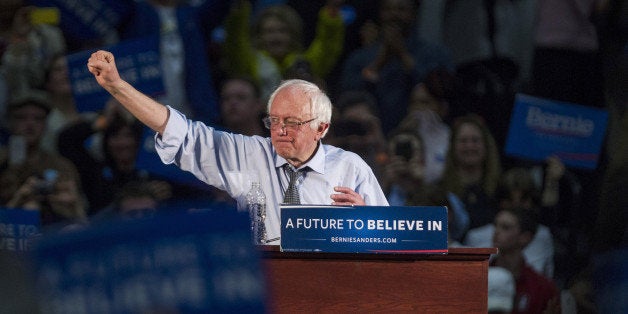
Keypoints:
pixel 274 50
pixel 473 168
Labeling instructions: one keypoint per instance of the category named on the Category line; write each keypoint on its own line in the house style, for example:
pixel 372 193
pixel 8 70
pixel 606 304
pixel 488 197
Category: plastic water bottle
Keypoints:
pixel 256 202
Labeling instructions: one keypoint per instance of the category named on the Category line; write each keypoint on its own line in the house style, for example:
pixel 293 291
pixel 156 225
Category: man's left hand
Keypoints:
pixel 346 196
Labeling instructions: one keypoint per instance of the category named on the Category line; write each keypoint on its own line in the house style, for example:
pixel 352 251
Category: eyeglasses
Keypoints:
pixel 289 123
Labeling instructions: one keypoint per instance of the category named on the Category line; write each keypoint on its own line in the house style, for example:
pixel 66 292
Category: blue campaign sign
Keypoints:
pixel 18 229
pixel 364 229
pixel 138 63
pixel 541 127
pixel 179 262
pixel 87 20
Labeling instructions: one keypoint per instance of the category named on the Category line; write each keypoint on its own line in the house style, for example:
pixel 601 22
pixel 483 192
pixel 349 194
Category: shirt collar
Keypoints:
pixel 316 163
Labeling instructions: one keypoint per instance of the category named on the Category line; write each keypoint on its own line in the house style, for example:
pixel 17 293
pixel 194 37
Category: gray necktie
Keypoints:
pixel 292 192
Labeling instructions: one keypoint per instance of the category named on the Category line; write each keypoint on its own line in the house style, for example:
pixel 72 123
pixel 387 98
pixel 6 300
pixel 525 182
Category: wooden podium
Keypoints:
pixel 456 282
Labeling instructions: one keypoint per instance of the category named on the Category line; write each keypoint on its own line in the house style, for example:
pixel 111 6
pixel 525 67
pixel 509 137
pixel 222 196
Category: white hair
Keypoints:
pixel 320 105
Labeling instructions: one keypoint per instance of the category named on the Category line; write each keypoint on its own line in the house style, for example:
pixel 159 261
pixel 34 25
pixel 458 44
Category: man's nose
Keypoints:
pixel 281 128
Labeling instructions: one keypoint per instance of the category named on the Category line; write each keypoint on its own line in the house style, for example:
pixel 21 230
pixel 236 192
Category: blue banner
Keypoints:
pixel 201 262
pixel 138 63
pixel 364 229
pixel 541 127
pixel 18 229
pixel 87 20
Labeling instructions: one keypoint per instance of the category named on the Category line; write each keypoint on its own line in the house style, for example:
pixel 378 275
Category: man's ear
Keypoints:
pixel 321 130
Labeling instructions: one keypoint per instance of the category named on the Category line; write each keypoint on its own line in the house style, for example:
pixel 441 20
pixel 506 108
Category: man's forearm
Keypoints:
pixel 148 111
pixel 144 108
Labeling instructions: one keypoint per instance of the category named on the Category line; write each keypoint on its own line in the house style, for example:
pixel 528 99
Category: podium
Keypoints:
pixel 346 282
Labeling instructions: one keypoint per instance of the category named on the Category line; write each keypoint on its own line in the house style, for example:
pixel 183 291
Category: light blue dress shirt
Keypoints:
pixel 232 161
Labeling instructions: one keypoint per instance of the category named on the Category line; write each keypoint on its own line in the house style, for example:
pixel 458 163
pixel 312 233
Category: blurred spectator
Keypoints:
pixel 357 128
pixel 8 8
pixel 31 47
pixel 35 179
pixel 567 64
pixel 360 30
pixel 7 12
pixel 395 63
pixel 457 216
pixel 556 191
pixel 103 178
pixel 514 230
pixel 184 32
pixel 475 30
pixel 63 110
pixel 491 44
pixel 241 112
pixel 563 212
pixel 301 69
pixel 438 92
pixel 578 297
pixel 273 49
pixel 58 198
pixel 135 200
pixel 428 113
pixel 473 168
pixel 518 189
pixel 501 290
pixel 402 177
pixel 241 109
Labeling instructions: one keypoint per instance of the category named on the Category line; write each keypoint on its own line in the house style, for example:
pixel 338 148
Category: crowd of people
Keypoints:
pixel 422 92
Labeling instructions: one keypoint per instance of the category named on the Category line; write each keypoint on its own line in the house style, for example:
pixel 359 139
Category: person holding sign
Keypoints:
pixel 299 117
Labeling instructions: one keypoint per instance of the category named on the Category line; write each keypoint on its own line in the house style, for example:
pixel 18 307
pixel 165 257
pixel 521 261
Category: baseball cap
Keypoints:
pixel 501 289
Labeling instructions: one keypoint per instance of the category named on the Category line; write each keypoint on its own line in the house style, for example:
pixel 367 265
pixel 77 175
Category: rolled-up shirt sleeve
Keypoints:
pixel 215 157
pixel 168 143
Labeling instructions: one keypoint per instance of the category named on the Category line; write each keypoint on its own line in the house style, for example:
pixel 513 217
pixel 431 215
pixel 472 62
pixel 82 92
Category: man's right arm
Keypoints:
pixel 155 115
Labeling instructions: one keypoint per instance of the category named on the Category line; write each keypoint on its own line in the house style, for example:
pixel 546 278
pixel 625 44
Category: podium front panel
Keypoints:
pixel 344 282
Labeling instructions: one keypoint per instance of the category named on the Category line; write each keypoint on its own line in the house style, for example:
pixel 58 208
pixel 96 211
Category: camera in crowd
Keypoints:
pixel 404 149
pixel 405 145
pixel 46 184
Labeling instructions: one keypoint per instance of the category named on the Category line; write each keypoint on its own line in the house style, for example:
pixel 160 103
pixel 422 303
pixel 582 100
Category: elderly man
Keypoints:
pixel 299 115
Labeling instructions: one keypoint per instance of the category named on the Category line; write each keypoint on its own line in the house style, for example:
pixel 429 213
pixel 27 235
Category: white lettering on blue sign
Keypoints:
pixel 318 223
pixel 381 224
pixel 557 123
pixel 7 230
